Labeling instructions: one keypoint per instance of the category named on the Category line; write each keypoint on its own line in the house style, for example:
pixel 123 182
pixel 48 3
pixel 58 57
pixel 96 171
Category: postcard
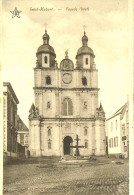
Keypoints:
pixel 67 98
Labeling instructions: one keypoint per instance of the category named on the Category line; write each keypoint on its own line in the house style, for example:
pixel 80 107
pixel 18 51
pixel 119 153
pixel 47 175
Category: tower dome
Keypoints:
pixel 85 49
pixel 46 54
pixel 85 55
pixel 46 48
pixel 84 39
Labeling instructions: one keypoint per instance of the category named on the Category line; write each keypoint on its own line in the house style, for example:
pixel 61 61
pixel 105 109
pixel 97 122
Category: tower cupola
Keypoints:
pixel 46 38
pixel 85 55
pixel 46 54
pixel 84 39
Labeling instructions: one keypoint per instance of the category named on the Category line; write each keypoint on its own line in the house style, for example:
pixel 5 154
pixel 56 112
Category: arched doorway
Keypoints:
pixel 68 141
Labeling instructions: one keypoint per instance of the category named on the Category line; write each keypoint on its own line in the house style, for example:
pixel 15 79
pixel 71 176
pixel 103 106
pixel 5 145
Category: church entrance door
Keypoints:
pixel 68 141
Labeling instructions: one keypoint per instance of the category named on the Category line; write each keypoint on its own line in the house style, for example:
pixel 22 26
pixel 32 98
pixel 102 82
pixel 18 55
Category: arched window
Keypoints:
pixel 48 80
pixel 49 131
pixel 86 61
pixel 85 131
pixel 45 59
pixel 86 144
pixel 49 144
pixel 84 81
pixel 48 105
pixel 67 108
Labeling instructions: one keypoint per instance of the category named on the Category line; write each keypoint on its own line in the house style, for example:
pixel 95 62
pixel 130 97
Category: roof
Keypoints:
pixel 120 112
pixel 21 124
pixel 11 90
pixel 85 50
pixel 45 48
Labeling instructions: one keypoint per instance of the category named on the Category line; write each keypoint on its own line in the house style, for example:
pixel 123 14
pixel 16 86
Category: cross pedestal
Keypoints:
pixel 77 147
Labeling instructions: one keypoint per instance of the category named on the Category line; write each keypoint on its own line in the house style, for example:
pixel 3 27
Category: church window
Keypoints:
pixel 48 105
pixel 67 107
pixel 86 144
pixel 45 59
pixel 85 131
pixel 84 81
pixel 48 80
pixel 86 61
pixel 49 144
pixel 49 131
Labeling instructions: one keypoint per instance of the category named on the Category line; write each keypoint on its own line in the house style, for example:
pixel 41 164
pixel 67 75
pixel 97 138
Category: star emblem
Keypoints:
pixel 15 13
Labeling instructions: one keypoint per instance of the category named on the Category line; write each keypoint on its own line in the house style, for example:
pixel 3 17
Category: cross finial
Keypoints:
pixel 84 26
pixel 45 27
pixel 66 53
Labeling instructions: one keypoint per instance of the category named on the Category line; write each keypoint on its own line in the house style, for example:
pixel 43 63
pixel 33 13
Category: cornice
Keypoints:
pixel 68 119
pixel 61 70
pixel 66 89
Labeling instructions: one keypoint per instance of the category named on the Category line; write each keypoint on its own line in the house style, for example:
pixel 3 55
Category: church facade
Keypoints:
pixel 66 104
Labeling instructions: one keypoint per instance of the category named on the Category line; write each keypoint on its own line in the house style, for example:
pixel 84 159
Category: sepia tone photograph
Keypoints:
pixel 67 100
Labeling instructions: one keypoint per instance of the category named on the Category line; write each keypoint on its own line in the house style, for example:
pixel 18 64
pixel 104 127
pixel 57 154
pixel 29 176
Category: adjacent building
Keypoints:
pixel 66 104
pixel 10 102
pixel 118 132
pixel 22 133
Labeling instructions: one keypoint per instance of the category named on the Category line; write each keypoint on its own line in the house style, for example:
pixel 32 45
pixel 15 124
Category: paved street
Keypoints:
pixel 53 178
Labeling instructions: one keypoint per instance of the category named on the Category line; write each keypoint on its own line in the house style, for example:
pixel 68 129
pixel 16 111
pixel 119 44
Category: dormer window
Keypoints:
pixel 48 80
pixel 45 59
pixel 86 61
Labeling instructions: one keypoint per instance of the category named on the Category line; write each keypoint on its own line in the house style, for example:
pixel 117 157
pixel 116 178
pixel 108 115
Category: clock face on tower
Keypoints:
pixel 67 78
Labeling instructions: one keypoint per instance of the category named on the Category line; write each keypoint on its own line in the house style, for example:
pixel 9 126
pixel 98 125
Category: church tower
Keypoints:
pixel 66 104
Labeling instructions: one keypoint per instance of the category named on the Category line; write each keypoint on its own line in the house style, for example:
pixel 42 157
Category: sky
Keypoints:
pixel 107 30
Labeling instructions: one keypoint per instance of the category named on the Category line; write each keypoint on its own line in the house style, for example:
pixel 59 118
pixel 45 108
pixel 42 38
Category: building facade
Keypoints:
pixel 10 102
pixel 118 132
pixel 66 104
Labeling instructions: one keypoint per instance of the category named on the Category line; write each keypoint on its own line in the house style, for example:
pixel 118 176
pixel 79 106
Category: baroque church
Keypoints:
pixel 66 104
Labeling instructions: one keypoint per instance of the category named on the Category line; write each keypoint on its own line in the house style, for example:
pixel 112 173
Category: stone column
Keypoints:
pixel 90 137
pixel 57 112
pixel 92 103
pixel 97 136
pixel 57 139
pixel 77 107
pixel 34 137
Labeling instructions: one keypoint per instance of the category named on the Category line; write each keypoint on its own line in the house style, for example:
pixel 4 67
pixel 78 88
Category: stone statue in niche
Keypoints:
pixel 48 105
pixel 85 105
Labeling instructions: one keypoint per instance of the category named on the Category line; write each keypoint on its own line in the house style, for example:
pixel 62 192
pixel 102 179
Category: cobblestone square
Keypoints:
pixel 53 178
